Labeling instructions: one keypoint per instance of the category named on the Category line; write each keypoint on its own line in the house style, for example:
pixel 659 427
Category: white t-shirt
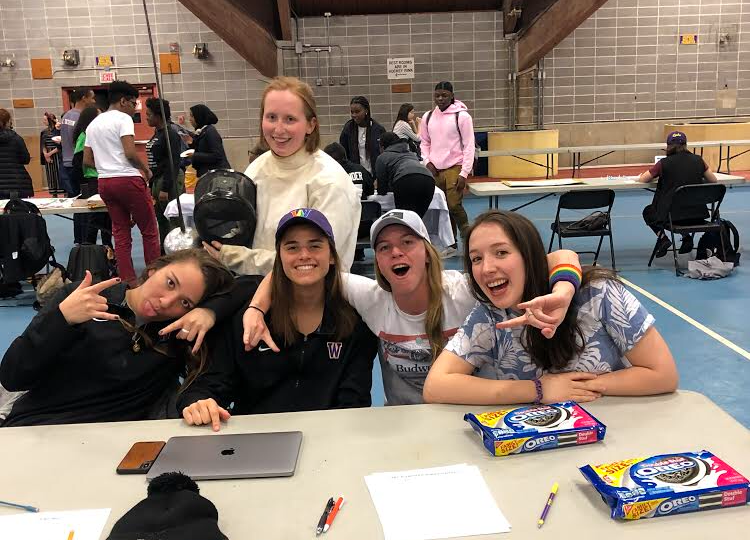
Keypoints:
pixel 404 348
pixel 103 137
pixel 362 143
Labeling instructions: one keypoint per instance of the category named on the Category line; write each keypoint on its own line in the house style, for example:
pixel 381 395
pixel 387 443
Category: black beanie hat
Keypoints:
pixel 174 510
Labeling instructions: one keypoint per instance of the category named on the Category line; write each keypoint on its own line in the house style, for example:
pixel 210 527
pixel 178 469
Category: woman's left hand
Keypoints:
pixel 543 312
pixel 214 249
pixel 193 326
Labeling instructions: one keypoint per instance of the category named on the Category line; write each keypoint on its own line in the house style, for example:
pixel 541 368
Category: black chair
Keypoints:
pixel 691 196
pixel 370 212
pixel 585 200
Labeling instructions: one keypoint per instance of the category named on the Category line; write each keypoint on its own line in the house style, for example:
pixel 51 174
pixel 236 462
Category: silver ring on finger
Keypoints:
pixel 186 330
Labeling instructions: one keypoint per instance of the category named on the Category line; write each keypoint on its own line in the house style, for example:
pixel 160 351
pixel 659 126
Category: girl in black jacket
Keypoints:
pixel 209 148
pixel 104 353
pixel 360 136
pixel 14 178
pixel 326 354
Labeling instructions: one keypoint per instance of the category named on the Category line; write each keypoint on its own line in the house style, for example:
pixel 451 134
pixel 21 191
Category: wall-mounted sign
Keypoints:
pixel 108 76
pixel 689 39
pixel 401 68
pixel 105 61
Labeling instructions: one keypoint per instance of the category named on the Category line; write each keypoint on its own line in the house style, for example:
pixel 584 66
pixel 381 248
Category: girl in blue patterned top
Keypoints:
pixel 606 345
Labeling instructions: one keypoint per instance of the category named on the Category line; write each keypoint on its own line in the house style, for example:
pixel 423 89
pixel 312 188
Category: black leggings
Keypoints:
pixel 414 192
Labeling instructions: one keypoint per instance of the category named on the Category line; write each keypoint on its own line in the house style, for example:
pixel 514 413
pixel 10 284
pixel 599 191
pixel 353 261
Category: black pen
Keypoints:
pixel 324 517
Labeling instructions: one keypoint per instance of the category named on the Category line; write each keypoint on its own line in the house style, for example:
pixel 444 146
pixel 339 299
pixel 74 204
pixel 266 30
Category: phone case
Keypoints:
pixel 140 457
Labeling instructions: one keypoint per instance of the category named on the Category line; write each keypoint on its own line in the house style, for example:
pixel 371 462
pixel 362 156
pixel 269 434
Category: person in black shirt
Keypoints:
pixel 680 168
pixel 326 352
pixel 360 136
pixel 359 175
pixel 105 353
pixel 167 182
pixel 209 148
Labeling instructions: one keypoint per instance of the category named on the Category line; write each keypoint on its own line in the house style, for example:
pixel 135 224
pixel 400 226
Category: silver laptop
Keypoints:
pixel 214 457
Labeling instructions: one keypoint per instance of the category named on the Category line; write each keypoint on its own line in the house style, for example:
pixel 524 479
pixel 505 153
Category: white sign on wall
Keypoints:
pixel 401 68
pixel 108 76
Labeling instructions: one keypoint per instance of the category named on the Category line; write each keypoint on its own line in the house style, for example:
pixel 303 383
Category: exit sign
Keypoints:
pixel 106 77
pixel 689 39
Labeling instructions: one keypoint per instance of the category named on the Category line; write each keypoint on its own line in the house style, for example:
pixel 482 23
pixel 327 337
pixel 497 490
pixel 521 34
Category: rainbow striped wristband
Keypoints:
pixel 566 272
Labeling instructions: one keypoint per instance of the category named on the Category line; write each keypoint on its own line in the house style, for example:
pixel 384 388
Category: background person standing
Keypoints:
pixel 447 134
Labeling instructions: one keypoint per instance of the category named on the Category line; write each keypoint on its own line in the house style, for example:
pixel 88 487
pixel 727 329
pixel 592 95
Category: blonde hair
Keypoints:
pixel 433 321
pixel 303 91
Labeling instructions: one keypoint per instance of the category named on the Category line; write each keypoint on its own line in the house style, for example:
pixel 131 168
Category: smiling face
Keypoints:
pixel 169 292
pixel 284 123
pixel 305 255
pixel 359 114
pixel 497 265
pixel 402 259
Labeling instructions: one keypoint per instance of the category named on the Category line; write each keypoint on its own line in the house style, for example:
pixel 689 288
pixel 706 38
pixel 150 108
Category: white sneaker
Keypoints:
pixel 448 252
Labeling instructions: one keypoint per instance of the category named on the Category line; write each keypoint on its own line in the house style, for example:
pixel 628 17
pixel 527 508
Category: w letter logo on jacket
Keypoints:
pixel 334 349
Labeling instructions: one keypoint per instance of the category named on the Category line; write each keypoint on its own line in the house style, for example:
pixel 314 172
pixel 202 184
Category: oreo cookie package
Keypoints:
pixel 667 484
pixel 538 427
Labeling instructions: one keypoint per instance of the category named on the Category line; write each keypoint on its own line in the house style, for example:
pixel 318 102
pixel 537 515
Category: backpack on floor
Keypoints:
pixel 95 258
pixel 710 244
pixel 25 247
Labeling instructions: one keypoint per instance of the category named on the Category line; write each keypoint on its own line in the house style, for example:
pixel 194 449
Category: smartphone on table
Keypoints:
pixel 140 457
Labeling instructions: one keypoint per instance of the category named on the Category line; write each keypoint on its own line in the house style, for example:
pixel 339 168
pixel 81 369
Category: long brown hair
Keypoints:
pixel 554 353
pixel 218 280
pixel 282 311
pixel 433 321
pixel 304 92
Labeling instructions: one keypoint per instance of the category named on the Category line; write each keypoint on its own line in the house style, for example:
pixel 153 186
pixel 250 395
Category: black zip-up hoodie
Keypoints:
pixel 316 372
pixel 89 372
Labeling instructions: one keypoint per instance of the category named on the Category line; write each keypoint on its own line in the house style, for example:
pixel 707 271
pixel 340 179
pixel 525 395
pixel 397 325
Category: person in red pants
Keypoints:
pixel 123 177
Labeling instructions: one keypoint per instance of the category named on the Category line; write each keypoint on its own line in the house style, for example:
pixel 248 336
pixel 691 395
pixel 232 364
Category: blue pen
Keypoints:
pixel 21 506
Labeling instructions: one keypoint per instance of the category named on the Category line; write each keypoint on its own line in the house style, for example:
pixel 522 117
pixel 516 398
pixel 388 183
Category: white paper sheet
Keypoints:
pixel 542 183
pixel 85 524
pixel 440 502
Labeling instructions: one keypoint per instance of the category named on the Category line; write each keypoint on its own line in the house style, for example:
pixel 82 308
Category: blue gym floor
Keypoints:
pixel 706 365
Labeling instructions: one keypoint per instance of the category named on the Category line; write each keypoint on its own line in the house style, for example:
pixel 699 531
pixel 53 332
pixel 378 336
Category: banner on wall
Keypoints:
pixel 401 68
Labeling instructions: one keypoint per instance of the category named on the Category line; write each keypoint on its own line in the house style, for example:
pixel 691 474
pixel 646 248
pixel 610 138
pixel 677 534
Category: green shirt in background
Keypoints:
pixel 88 172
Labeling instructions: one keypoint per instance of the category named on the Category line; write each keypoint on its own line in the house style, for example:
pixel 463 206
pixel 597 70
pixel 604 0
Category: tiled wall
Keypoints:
pixel 467 49
pixel 626 63
pixel 44 28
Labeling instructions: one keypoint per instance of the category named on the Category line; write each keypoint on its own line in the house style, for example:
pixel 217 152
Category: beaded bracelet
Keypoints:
pixel 566 272
pixel 539 393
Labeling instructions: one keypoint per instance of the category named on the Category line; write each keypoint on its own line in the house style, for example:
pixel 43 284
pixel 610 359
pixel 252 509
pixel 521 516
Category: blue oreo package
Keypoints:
pixel 667 484
pixel 519 430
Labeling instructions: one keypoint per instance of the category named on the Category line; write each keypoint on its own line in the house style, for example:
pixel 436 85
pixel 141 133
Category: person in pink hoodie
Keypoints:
pixel 447 146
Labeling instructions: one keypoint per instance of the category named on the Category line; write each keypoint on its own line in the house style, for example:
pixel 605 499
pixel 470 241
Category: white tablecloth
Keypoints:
pixel 436 219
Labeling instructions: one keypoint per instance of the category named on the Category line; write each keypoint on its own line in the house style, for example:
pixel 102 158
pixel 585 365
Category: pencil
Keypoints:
pixel 70 535
pixel 547 506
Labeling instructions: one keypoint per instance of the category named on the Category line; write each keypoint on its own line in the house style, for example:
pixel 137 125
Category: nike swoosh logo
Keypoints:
pixel 264 349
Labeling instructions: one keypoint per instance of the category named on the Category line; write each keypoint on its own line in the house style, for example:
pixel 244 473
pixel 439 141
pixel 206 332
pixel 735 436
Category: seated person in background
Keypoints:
pixel 295 173
pixel 406 127
pixel 105 353
pixel 326 355
pixel 606 345
pixel 680 168
pixel 361 179
pixel 415 306
pixel 398 170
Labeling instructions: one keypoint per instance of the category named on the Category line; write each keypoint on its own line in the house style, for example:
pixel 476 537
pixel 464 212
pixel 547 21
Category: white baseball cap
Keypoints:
pixel 407 218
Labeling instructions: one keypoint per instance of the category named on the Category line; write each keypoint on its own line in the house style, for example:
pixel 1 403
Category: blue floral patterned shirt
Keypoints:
pixel 611 319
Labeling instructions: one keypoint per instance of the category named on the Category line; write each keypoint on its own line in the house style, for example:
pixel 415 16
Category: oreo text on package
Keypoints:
pixel 667 484
pixel 538 427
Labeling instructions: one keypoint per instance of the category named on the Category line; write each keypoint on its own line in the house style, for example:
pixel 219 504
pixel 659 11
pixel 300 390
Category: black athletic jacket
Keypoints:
pixel 316 372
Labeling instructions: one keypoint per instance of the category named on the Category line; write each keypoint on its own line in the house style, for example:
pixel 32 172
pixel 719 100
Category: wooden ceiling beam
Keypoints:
pixel 550 28
pixel 252 40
